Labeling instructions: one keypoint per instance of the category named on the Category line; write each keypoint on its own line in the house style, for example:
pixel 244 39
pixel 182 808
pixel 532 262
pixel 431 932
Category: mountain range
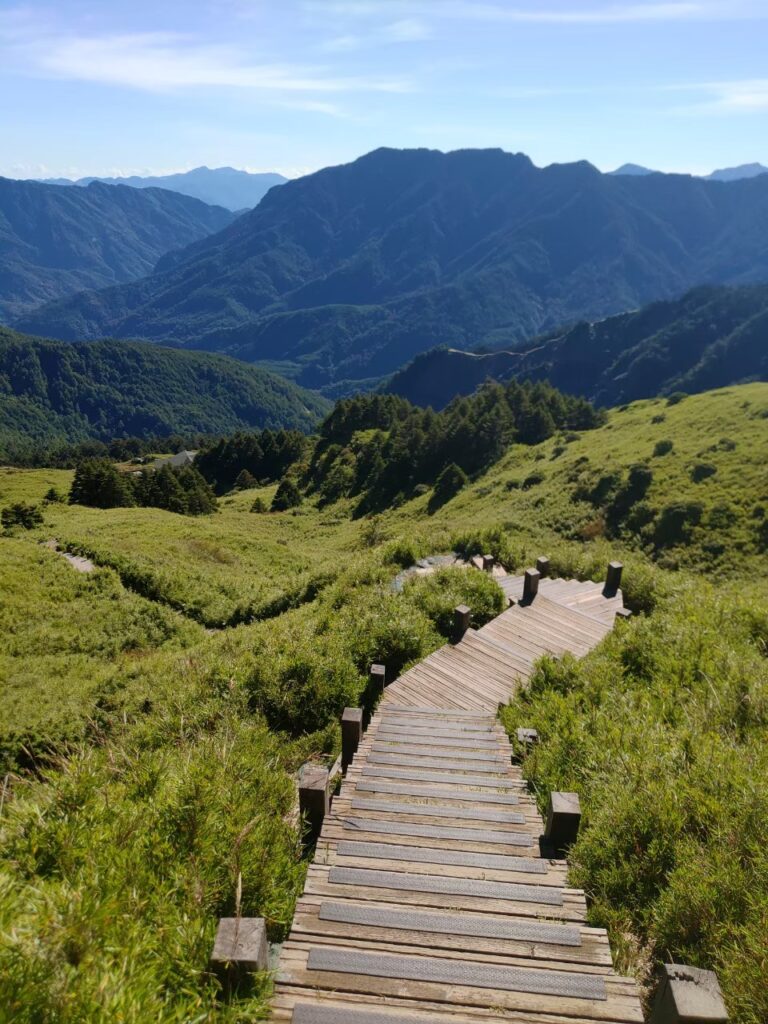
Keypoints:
pixel 709 338
pixel 55 241
pixel 346 274
pixel 217 186
pixel 724 174
pixel 53 392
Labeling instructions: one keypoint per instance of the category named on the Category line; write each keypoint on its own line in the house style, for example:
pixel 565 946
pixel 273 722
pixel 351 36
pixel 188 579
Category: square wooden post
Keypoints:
pixel 688 995
pixel 563 820
pixel 351 734
pixel 613 577
pixel 542 566
pixel 378 678
pixel 314 802
pixel 488 561
pixel 239 948
pixel 462 616
pixel 530 585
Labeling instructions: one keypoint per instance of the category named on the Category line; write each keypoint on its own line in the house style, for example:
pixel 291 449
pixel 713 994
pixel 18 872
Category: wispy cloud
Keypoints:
pixel 744 96
pixel 161 62
pixel 405 30
pixel 496 12
pixel 568 14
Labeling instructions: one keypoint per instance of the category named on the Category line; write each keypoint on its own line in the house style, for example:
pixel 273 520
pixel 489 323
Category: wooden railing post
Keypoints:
pixel 313 798
pixel 563 820
pixel 488 561
pixel 530 585
pixel 351 734
pixel 613 577
pixel 462 616
pixel 378 678
pixel 688 995
pixel 239 948
pixel 542 566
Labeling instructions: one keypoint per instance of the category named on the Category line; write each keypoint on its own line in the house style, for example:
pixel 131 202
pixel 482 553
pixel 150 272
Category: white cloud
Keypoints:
pixel 745 96
pixel 602 14
pixel 406 30
pixel 165 62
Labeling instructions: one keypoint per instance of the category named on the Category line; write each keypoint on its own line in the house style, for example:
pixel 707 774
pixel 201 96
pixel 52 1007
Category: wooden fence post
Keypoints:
pixel 239 948
pixel 530 585
pixel 313 798
pixel 488 561
pixel 613 577
pixel 542 566
pixel 351 734
pixel 688 995
pixel 563 820
pixel 378 678
pixel 462 616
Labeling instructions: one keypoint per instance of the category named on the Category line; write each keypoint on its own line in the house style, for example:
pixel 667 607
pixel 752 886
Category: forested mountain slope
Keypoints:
pixel 348 273
pixel 709 338
pixel 56 240
pixel 53 391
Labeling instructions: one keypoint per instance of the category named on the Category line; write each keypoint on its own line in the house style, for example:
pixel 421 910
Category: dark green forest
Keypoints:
pixel 54 393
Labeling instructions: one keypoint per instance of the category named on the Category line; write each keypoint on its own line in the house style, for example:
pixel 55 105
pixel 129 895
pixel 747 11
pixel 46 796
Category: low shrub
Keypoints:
pixel 438 594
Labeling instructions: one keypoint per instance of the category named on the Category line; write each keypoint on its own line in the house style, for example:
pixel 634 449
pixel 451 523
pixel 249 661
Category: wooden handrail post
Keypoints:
pixel 488 562
pixel 462 616
pixel 542 566
pixel 688 995
pixel 613 577
pixel 351 734
pixel 530 585
pixel 378 678
pixel 563 820
pixel 314 801
pixel 239 948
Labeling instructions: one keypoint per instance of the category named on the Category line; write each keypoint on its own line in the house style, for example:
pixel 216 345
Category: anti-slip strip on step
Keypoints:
pixel 448 886
pixel 482 926
pixel 442 776
pixel 306 1013
pixel 469 835
pixel 458 972
pixel 426 855
pixel 435 792
pixel 434 811
pixel 420 750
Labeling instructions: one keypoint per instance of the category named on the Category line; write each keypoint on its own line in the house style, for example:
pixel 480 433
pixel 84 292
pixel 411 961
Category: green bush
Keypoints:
pixel 438 594
pixel 287 496
pixel 701 470
pixel 662 448
pixel 449 483
pixel 21 514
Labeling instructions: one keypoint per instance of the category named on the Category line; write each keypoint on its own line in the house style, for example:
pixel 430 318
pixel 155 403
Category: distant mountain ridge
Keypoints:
pixel 53 392
pixel 724 174
pixel 348 273
pixel 56 241
pixel 709 338
pixel 218 186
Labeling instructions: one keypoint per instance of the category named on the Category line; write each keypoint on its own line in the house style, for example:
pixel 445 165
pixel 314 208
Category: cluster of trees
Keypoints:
pixel 383 449
pixel 100 484
pixel 65 455
pixel 248 459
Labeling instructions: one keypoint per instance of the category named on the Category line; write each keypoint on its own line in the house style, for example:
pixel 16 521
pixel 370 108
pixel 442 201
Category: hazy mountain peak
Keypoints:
pixel 636 170
pixel 738 172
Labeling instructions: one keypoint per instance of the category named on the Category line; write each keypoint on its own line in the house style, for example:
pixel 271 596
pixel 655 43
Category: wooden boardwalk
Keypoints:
pixel 430 899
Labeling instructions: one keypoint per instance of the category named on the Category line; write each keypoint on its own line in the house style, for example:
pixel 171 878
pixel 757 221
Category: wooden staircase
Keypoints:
pixel 430 898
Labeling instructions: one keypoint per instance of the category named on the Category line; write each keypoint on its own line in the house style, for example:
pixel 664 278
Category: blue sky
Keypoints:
pixel 138 86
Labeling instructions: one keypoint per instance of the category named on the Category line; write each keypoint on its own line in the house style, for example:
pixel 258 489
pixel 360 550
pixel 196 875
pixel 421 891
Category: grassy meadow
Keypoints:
pixel 155 711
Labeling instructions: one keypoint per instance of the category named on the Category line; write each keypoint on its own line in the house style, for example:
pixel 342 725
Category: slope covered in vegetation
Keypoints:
pixel 173 804
pixel 55 393
pixel 709 338
pixel 56 241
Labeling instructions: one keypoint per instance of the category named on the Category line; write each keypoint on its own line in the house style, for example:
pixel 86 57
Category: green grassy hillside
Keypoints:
pixel 166 747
